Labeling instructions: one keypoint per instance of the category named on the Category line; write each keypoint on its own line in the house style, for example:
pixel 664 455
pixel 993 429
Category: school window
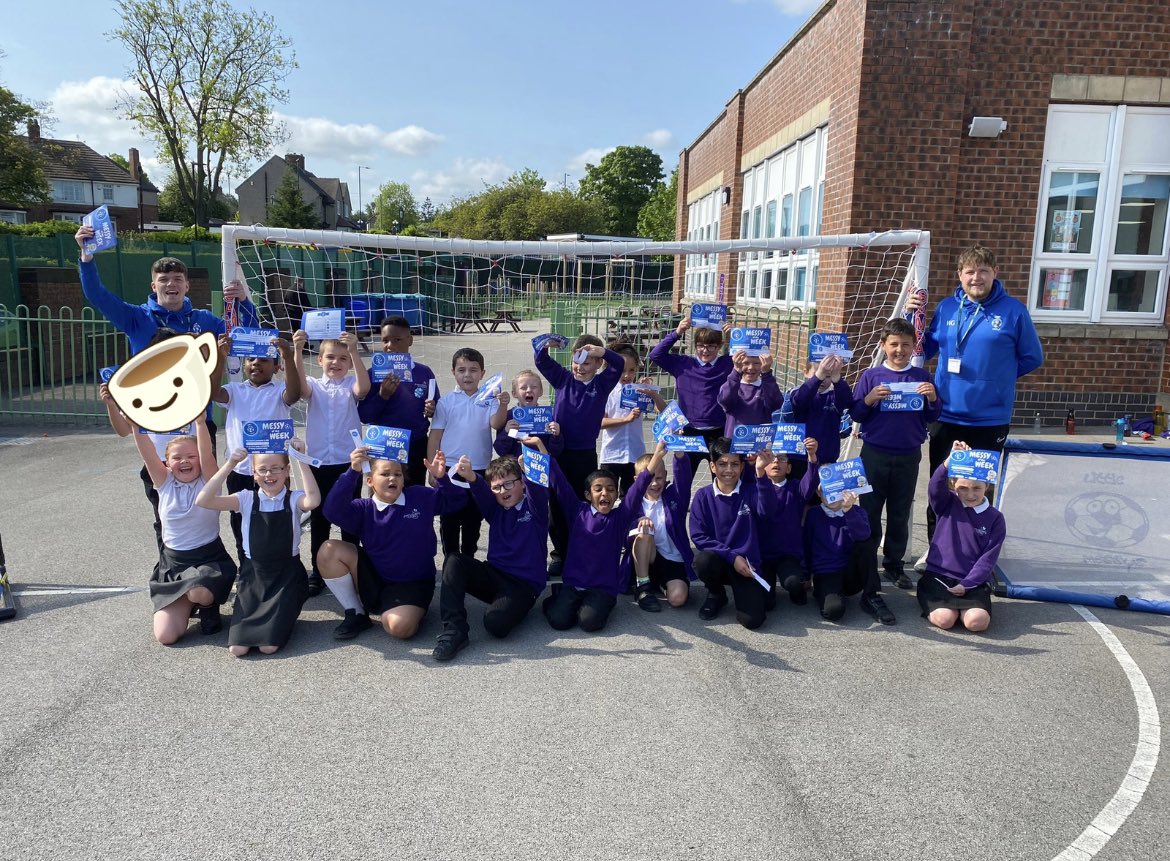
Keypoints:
pixel 703 223
pixel 68 191
pixel 783 196
pixel 1102 250
pixel 13 216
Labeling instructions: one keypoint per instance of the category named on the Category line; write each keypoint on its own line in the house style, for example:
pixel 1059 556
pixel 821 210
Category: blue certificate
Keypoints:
pixel 633 398
pixel 837 478
pixel 383 365
pixel 748 439
pixel 822 344
pixel 247 341
pixel 323 323
pixel 754 342
pixel 485 395
pixel 107 373
pixel 674 442
pixel 788 438
pixel 386 443
pixel 104 235
pixel 903 397
pixel 708 315
pixel 535 465
pixel 670 421
pixel 555 342
pixel 532 419
pixel 977 464
pixel 267 437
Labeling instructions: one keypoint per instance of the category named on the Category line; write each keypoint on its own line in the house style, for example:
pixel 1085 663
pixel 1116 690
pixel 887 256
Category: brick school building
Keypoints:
pixel 864 121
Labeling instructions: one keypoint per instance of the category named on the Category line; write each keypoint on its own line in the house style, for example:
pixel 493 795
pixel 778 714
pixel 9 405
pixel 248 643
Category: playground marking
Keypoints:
pixel 1145 759
pixel 95 590
pixel 20 440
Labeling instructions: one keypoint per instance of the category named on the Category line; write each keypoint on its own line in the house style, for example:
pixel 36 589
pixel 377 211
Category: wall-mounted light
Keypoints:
pixel 727 195
pixel 986 127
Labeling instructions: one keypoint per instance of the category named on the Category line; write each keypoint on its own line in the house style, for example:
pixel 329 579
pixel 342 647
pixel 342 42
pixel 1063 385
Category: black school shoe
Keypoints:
pixel 352 625
pixel 833 607
pixel 875 605
pixel 715 602
pixel 897 576
pixel 449 644
pixel 316 584
pixel 648 601
pixel 210 621
pixel 794 586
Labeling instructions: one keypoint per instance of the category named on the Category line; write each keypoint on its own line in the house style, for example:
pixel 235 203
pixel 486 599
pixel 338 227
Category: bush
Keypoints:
pixel 42 229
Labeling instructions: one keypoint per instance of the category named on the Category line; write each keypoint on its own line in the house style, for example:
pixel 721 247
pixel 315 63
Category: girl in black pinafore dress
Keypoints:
pixel 273 583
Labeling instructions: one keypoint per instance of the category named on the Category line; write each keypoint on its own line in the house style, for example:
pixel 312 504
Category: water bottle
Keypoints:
pixel 1070 423
pixel 1119 434
pixel 1036 422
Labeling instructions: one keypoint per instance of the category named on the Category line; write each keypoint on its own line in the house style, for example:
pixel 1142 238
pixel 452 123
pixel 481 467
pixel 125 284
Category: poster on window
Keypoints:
pixel 1066 230
pixel 1057 289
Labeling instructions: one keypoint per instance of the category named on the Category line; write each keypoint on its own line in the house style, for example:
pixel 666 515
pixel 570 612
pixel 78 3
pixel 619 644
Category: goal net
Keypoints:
pixel 496 296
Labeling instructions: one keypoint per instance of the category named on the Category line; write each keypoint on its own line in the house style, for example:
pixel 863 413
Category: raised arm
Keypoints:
pixel 297 368
pixel 340 507
pixel 552 370
pixel 155 468
pixel 569 502
pixel 292 381
pixel 219 393
pixel 361 383
pixel 203 441
pixel 311 498
pixel 209 496
pixel 118 422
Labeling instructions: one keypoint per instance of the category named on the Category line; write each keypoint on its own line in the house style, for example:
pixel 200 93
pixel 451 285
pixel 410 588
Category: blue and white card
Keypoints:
pixel 670 421
pixel 386 443
pixel 489 390
pixel 822 344
pixel 185 430
pixel 105 236
pixel 632 398
pixel 675 442
pixel 323 323
pixel 267 437
pixel 847 475
pixel 754 342
pixel 555 342
pixel 788 438
pixel 535 465
pixel 383 365
pixel 903 397
pixel 107 373
pixel 748 439
pixel 977 464
pixel 532 419
pixel 708 315
pixel 247 341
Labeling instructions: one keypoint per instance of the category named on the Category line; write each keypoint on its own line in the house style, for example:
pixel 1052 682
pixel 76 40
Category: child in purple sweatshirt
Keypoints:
pixel 725 525
pixel 514 574
pixel 781 538
pixel 834 549
pixel 580 405
pixel 820 402
pixel 968 536
pixel 697 381
pixel 598 527
pixel 392 571
pixel 894 427
pixel 750 394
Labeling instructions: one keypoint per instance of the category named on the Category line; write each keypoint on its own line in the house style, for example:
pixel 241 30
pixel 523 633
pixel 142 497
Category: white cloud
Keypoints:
pixel 658 139
pixel 465 176
pixel 88 111
pixel 345 142
pixel 787 7
pixel 590 156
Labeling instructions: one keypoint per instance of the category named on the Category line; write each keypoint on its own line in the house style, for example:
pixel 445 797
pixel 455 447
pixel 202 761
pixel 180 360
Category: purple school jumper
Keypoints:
pixel 579 406
pixel 517 536
pixel 747 404
pixel 829 539
pixel 966 543
pixel 697 384
pixel 727 525
pixel 893 432
pixel 821 414
pixel 404 409
pixel 780 535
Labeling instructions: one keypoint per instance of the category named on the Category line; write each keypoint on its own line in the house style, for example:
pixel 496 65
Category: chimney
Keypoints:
pixel 135 167
pixel 295 159
pixel 34 130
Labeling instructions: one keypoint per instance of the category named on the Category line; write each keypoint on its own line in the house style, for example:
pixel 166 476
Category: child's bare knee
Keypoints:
pixel 398 627
pixel 269 650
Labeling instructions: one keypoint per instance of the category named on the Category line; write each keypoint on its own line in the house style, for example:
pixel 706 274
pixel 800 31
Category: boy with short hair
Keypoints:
pixel 580 405
pixel 835 550
pixel 820 402
pixel 527 390
pixel 331 413
pixel 400 404
pixel 725 525
pixel 697 381
pixel 463 428
pixel 893 443
pixel 781 538
pixel 514 574
pixel 257 398
pixel 750 394
pixel 661 554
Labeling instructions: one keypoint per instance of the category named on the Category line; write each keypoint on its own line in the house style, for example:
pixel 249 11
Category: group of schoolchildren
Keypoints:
pixel 617 523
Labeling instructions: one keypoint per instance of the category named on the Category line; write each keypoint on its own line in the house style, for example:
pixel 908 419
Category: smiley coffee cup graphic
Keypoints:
pixel 167 385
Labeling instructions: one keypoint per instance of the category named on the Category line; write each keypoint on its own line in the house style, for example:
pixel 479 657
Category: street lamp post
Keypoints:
pixel 361 206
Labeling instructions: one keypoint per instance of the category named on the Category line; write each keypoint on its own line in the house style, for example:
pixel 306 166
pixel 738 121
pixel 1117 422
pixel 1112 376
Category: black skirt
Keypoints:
pixel 933 595
pixel 180 571
pixel 268 601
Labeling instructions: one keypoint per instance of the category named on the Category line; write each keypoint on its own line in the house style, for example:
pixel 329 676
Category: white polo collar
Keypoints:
pixel 382 506
pixel 734 491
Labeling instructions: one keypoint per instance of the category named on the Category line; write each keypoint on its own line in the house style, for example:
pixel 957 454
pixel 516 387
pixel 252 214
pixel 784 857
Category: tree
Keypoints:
pixel 426 212
pixel 172 207
pixel 521 207
pixel 623 182
pixel 122 162
pixel 657 219
pixel 22 170
pixel 207 78
pixel 394 208
pixel 288 207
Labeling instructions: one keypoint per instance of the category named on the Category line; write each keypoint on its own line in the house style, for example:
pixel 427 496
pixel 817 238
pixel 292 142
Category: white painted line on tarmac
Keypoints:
pixel 96 590
pixel 1145 759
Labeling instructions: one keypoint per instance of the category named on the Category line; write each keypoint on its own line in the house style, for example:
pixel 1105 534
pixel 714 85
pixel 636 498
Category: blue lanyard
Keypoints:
pixel 961 337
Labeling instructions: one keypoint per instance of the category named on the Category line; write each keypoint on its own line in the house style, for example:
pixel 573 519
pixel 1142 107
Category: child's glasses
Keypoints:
pixel 505 486
pixel 270 470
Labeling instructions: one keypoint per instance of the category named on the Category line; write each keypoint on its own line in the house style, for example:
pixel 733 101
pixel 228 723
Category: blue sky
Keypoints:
pixel 442 94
